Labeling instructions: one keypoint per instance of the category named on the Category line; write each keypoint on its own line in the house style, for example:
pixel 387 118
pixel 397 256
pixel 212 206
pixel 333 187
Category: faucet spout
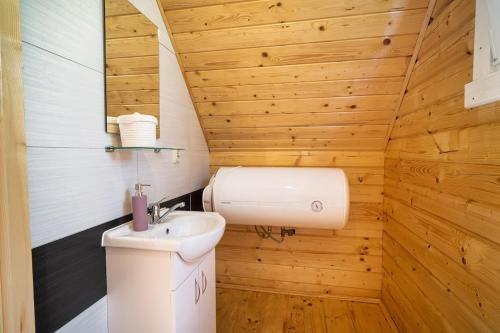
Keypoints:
pixel 170 210
pixel 156 218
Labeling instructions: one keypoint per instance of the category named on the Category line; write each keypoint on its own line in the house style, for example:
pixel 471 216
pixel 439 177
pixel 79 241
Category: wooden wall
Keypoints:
pixel 281 83
pixel 441 243
pixel 16 282
pixel 132 62
pixel 275 74
pixel 344 264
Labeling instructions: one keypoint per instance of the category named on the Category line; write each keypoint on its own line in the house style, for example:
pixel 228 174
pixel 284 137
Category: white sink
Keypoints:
pixel 190 234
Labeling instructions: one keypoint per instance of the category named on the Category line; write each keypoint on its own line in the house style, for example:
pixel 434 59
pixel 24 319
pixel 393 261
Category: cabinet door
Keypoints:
pixel 186 300
pixel 206 273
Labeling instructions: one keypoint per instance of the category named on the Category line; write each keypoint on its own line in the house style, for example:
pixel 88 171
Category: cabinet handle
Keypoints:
pixel 196 291
pixel 203 282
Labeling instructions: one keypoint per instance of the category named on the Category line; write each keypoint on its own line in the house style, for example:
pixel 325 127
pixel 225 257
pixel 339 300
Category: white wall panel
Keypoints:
pixel 64 102
pixel 71 190
pixel 92 320
pixel 199 173
pixel 174 124
pixel 69 28
pixel 166 178
pixel 172 84
pixel 196 136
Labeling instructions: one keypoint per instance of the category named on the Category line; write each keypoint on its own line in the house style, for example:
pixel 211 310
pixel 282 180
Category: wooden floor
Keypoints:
pixel 249 311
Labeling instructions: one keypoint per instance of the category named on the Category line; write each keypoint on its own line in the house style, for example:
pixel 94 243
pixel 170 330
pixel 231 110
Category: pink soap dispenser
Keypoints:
pixel 140 209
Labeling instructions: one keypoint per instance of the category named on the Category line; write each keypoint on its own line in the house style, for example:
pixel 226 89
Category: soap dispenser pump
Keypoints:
pixel 140 208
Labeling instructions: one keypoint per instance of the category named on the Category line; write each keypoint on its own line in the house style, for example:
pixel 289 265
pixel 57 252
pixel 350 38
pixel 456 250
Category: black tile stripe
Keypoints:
pixel 69 274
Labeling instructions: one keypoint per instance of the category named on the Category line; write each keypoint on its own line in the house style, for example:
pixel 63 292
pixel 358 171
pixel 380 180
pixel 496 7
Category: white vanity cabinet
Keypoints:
pixel 194 300
pixel 158 292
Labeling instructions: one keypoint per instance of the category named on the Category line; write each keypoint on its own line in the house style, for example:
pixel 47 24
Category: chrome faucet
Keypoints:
pixel 154 211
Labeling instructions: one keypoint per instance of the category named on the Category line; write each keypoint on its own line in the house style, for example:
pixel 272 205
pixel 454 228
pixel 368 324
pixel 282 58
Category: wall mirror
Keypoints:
pixel 131 62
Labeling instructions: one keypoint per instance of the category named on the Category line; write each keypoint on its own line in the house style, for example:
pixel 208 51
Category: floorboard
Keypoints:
pixel 250 311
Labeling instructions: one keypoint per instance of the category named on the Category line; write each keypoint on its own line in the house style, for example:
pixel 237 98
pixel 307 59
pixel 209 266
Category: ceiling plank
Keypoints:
pixel 291 106
pixel 355 49
pixel 182 4
pixel 271 11
pixel 357 69
pixel 310 144
pixel 383 86
pixel 362 26
pixel 299 119
pixel 317 132
pixel 284 74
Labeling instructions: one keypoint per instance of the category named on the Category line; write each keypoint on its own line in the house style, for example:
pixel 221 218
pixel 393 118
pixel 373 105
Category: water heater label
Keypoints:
pixel 317 206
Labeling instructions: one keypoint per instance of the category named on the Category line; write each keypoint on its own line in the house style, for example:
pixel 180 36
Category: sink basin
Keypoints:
pixel 190 234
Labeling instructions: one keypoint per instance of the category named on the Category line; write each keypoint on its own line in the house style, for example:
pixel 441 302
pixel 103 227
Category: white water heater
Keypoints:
pixel 273 196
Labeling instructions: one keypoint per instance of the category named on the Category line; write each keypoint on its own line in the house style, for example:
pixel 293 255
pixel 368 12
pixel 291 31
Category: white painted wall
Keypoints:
pixel 73 183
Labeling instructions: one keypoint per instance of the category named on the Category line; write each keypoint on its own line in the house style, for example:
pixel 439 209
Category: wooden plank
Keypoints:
pixel 16 277
pixel 422 305
pixel 298 158
pixel 133 97
pixel 409 70
pixel 447 115
pixel 366 193
pixel 301 289
pixel 130 25
pixel 424 96
pixel 294 144
pixel 299 119
pixel 291 106
pixel 133 65
pixel 368 318
pixel 268 11
pixel 118 7
pixel 298 274
pixel 341 262
pixel 397 259
pixel 445 63
pixel 478 144
pixel 132 47
pixel 452 275
pixel 180 4
pixel 132 82
pixel 477 256
pixel 454 21
pixel 338 88
pixel 116 110
pixel 311 244
pixel 357 69
pixel 473 182
pixel 401 308
pixel 331 51
pixel 478 218
pixel 250 311
pixel 363 26
pixel 440 6
pixel 338 317
pixel 318 132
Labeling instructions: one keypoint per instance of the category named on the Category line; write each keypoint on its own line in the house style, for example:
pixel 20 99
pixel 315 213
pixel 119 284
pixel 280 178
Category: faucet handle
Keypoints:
pixel 138 186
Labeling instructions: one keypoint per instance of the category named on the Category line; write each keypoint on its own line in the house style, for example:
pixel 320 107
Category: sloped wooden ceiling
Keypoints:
pixel 295 74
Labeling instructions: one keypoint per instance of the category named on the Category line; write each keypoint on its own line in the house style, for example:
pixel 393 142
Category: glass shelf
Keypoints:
pixel 111 149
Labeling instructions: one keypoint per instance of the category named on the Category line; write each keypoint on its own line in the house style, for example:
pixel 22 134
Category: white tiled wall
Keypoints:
pixel 73 183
